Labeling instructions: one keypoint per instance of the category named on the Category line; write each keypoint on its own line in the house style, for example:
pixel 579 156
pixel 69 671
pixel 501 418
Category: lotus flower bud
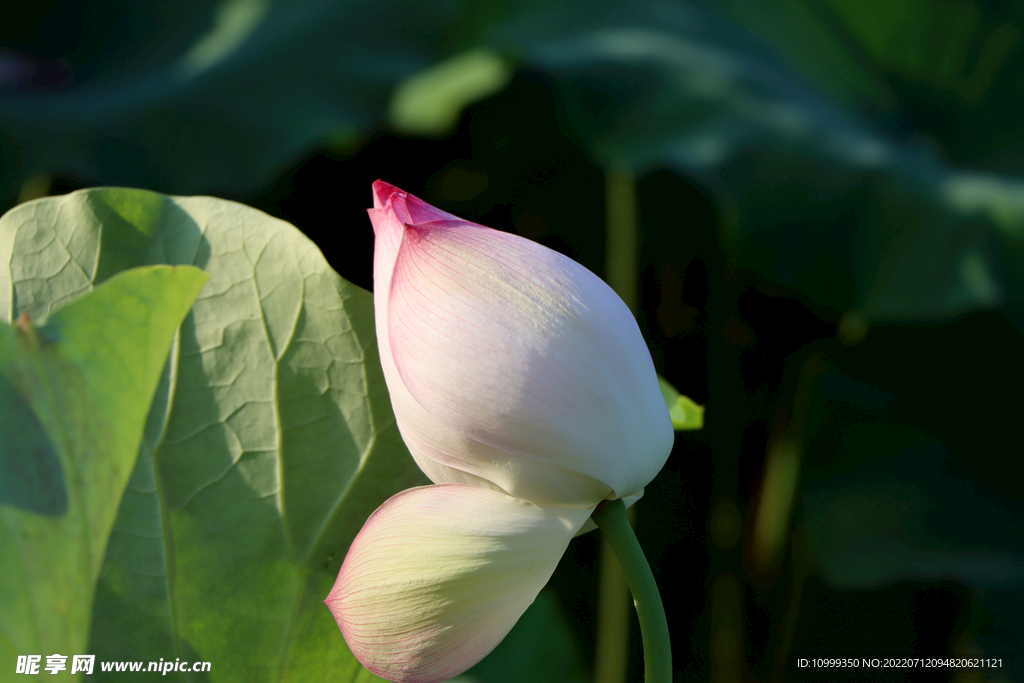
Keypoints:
pixel 511 366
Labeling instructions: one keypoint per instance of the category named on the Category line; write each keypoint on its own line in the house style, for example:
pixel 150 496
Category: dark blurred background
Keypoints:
pixel 830 229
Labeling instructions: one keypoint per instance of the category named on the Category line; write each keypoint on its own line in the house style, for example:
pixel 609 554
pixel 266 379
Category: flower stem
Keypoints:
pixel 611 519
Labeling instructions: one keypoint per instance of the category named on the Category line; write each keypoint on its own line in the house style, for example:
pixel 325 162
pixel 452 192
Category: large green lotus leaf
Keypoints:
pixel 951 75
pixel 812 197
pixel 74 391
pixel 270 440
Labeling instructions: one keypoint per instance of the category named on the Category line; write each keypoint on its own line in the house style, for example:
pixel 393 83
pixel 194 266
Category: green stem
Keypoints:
pixel 611 646
pixel 611 519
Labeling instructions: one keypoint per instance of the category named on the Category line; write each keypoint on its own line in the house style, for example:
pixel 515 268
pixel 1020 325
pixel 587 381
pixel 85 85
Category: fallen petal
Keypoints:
pixel 439 575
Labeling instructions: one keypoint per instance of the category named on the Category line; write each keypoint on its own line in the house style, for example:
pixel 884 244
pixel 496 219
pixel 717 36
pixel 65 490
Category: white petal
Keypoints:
pixel 529 370
pixel 440 574
pixel 433 444
pixel 443 453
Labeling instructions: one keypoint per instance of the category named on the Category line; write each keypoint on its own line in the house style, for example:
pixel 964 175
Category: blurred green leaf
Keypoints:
pixel 685 414
pixel 812 123
pixel 948 79
pixel 430 102
pixel 812 198
pixel 807 35
pixel 951 75
pixel 229 93
pixel 269 442
pixel 884 499
pixel 81 384
pixel 880 517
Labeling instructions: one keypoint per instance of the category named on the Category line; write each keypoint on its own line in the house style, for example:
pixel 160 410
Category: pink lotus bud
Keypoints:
pixel 511 366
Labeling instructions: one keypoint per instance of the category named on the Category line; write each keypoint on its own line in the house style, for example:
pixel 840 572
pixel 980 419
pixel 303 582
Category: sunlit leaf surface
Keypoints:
pixel 269 442
pixel 74 391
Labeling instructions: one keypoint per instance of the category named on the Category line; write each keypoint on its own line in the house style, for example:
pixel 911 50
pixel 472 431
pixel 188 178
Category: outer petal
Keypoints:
pixel 389 230
pixel 511 362
pixel 440 574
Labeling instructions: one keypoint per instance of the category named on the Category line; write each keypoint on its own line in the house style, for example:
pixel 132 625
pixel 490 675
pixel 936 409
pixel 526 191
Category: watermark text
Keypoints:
pixel 57 663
